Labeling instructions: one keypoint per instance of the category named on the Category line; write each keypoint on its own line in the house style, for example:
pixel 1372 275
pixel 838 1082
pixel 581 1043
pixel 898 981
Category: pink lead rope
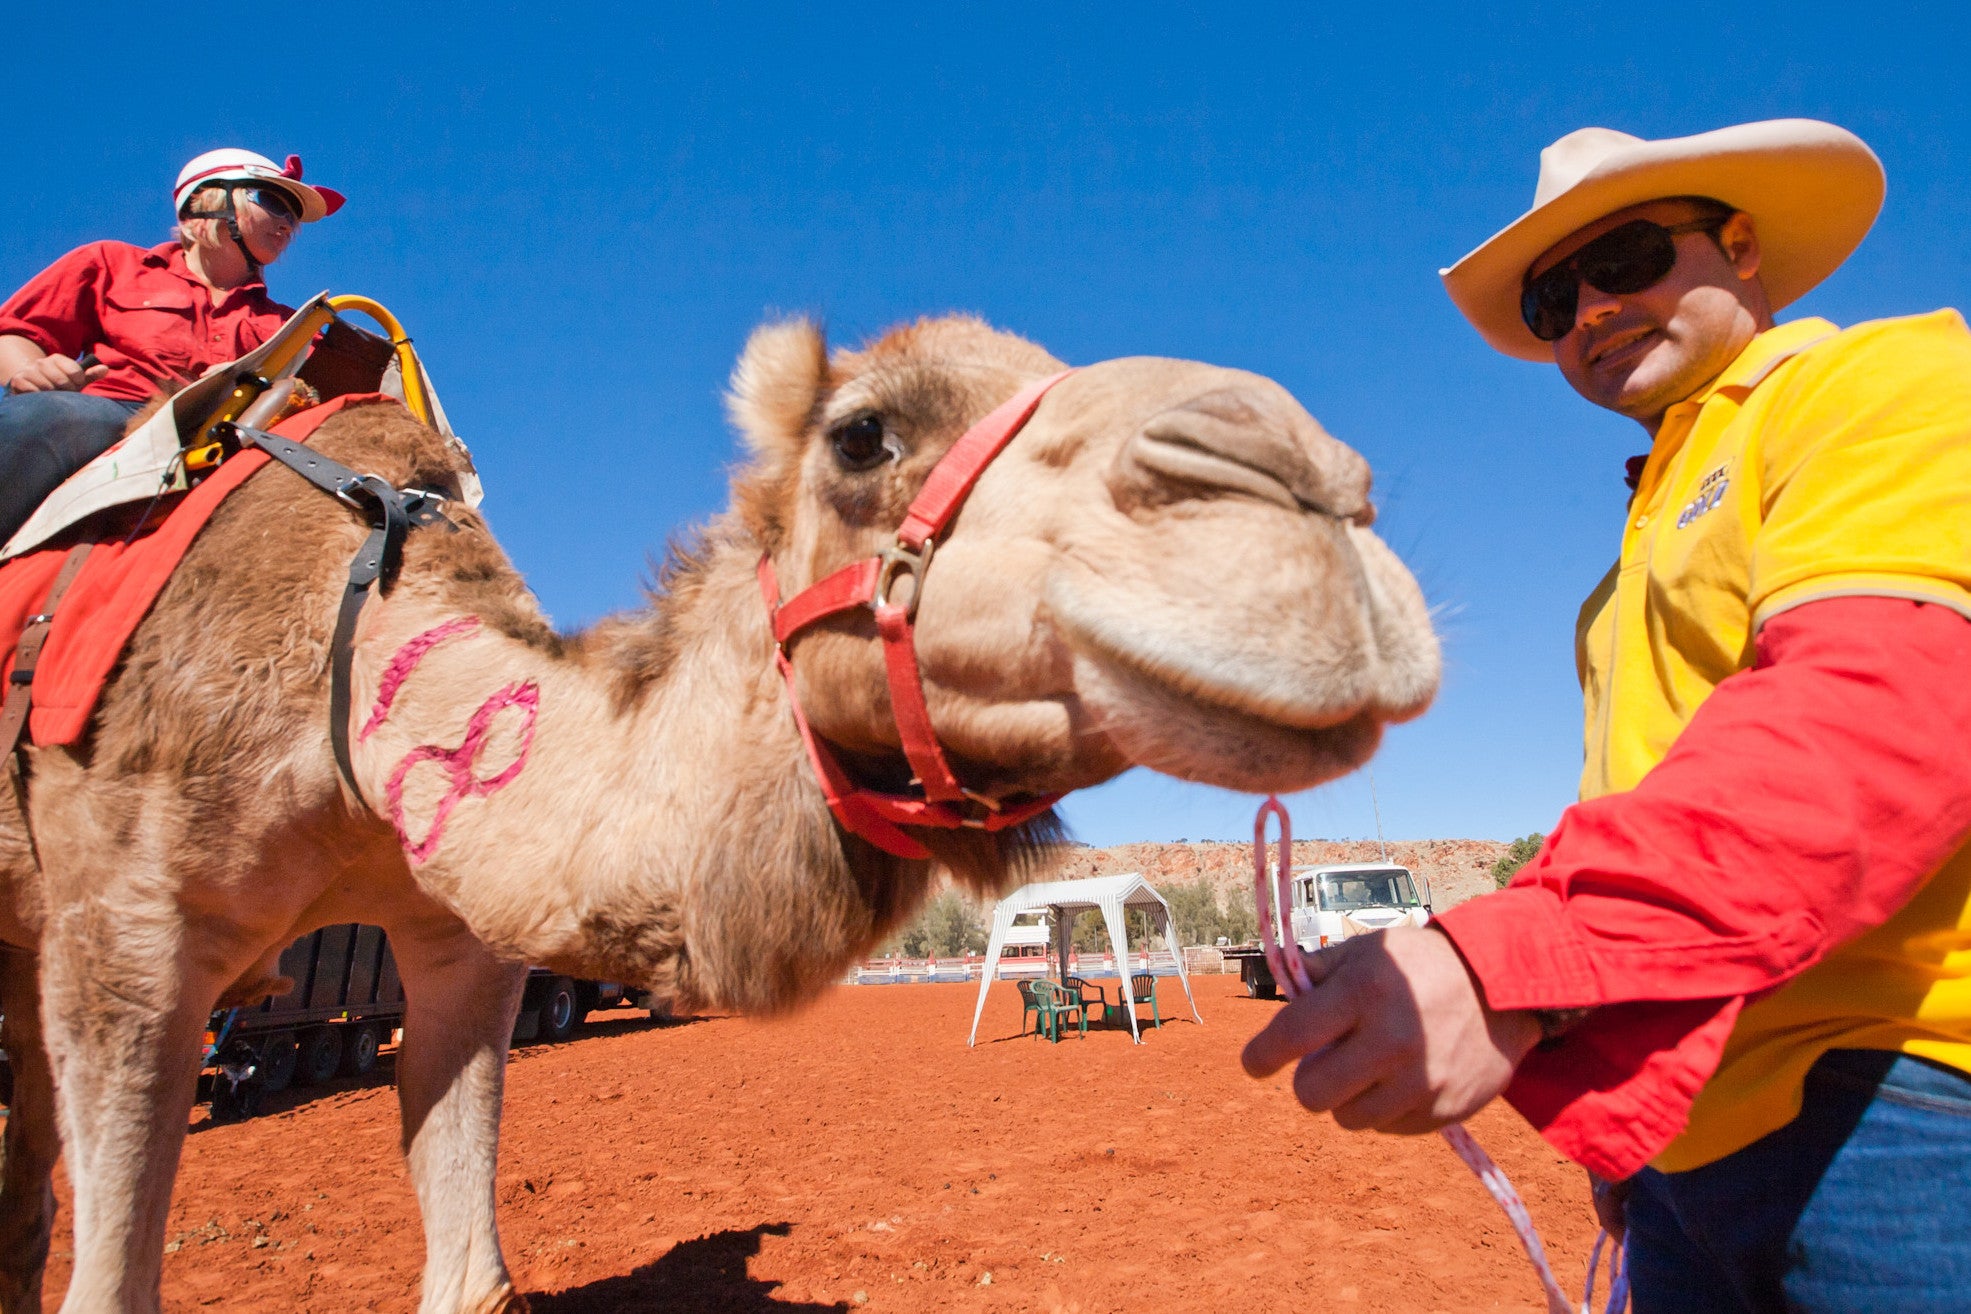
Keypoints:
pixel 1274 898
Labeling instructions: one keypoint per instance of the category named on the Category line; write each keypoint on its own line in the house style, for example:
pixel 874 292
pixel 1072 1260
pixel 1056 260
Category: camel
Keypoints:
pixel 1171 565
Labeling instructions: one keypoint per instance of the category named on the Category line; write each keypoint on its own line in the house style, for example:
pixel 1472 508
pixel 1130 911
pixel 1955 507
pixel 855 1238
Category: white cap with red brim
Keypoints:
pixel 234 165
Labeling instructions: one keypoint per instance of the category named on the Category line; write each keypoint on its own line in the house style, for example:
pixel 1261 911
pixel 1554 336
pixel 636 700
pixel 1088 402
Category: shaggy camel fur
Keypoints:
pixel 1169 566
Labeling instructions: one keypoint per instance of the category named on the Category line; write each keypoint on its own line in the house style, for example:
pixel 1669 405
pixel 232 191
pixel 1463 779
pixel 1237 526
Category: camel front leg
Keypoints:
pixel 123 1015
pixel 27 1199
pixel 460 1004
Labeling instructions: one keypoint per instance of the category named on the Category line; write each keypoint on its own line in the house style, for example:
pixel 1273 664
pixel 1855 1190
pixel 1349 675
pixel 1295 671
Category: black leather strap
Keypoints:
pixel 392 513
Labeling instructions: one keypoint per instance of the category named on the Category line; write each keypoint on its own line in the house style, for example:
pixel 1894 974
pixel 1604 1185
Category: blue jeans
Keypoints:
pixel 44 438
pixel 1858 1205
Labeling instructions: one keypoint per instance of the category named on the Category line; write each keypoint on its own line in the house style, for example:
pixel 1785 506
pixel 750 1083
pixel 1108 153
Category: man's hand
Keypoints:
pixel 1611 1204
pixel 54 374
pixel 1394 1036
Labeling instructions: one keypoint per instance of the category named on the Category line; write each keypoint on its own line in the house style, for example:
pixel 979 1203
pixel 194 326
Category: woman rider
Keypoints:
pixel 153 319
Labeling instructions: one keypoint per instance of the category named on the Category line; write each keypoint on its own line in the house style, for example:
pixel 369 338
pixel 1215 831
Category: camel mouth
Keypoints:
pixel 1310 631
pixel 1156 725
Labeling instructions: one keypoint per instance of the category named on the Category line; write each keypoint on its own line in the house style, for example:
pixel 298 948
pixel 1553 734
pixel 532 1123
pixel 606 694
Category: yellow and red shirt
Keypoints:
pixel 1768 861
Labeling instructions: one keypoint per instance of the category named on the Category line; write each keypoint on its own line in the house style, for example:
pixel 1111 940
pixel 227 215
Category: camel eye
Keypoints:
pixel 859 442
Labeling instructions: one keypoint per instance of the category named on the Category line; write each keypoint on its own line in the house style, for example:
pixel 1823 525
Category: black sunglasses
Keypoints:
pixel 1622 260
pixel 275 201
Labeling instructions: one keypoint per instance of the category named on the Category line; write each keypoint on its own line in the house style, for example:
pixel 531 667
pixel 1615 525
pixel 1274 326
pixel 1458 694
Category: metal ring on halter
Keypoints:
pixel 896 561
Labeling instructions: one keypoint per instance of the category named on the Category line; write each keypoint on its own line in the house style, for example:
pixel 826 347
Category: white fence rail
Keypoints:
pixel 918 971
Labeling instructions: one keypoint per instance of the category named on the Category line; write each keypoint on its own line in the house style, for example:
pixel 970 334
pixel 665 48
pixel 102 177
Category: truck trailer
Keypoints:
pixel 347 1002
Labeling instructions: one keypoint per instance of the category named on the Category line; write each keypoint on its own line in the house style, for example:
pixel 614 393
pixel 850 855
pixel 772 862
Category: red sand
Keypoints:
pixel 861 1156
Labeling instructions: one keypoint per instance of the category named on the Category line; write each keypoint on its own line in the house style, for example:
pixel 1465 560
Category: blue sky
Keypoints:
pixel 581 214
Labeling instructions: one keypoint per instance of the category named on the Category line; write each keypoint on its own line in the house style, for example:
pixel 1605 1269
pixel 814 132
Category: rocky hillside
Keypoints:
pixel 1457 869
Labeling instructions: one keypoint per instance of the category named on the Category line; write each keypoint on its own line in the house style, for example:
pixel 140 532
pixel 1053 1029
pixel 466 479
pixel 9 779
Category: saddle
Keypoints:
pixel 109 592
pixel 316 354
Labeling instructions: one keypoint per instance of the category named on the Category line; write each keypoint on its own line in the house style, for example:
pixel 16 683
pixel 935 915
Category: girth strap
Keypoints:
pixel 392 513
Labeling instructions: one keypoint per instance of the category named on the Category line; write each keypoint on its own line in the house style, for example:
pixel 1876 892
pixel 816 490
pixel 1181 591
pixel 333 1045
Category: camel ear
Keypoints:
pixel 778 384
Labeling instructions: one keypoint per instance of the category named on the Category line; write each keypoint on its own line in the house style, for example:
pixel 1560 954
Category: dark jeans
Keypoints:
pixel 44 438
pixel 1855 1206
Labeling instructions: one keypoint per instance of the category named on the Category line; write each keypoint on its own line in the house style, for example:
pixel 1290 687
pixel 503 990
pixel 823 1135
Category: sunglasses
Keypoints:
pixel 275 201
pixel 1622 260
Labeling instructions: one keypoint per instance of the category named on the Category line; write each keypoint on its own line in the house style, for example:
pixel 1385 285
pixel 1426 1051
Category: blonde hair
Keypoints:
pixel 205 201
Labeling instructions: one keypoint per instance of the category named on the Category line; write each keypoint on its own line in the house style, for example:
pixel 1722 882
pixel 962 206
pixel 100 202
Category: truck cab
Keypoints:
pixel 1332 903
pixel 1335 901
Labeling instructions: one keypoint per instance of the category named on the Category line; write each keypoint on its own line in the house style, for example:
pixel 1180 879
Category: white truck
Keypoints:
pixel 1333 902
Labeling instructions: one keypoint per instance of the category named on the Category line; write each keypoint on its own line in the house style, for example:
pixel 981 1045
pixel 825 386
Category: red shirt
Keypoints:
pixel 144 314
pixel 1809 798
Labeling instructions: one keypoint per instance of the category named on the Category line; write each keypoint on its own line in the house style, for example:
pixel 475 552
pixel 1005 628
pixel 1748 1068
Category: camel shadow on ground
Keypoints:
pixel 707 1274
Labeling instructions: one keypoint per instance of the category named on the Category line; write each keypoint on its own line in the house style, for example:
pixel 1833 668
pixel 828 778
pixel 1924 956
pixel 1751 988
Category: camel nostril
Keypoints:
pixel 1238 441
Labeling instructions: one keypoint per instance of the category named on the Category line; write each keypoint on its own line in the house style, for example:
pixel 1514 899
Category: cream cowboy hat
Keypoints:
pixel 1811 188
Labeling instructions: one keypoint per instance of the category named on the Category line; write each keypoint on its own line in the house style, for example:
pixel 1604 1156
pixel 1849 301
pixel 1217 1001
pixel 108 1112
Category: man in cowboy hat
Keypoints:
pixel 1744 959
pixel 154 318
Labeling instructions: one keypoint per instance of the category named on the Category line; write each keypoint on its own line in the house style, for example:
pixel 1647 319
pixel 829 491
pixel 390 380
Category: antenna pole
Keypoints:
pixel 1377 807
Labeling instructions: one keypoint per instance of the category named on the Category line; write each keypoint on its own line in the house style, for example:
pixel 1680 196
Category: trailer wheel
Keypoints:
pixel 561 1011
pixel 232 1103
pixel 321 1055
pixel 359 1050
pixel 279 1056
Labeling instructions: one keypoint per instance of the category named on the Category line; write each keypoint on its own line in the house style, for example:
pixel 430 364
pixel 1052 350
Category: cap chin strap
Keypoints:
pixel 255 271
pixel 942 802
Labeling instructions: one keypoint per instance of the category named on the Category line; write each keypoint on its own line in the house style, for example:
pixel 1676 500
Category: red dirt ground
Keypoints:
pixel 860 1156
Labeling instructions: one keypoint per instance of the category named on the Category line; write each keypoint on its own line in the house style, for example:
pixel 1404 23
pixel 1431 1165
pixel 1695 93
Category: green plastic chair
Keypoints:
pixel 1029 1006
pixel 1089 996
pixel 1055 1005
pixel 1143 990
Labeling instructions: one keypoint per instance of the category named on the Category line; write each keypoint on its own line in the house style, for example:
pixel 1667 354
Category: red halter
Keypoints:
pixel 944 803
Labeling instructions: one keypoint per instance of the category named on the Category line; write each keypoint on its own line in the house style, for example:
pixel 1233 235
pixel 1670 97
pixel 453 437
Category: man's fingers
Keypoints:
pixel 95 372
pixel 1339 1074
pixel 1389 1103
pixel 1312 1022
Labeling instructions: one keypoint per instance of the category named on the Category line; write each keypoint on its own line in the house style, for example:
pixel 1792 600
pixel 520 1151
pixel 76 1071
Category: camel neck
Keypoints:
pixel 656 800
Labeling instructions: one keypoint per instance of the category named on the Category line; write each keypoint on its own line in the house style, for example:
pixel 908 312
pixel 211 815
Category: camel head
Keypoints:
pixel 1171 565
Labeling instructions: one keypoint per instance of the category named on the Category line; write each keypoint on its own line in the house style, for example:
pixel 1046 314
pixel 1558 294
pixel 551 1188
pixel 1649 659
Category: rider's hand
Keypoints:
pixel 1394 1036
pixel 55 374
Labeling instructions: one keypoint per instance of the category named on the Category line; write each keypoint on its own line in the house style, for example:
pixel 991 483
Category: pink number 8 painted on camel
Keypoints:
pixel 459 763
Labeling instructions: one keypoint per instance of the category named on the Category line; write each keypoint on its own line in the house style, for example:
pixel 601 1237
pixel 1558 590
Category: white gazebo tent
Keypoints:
pixel 1109 894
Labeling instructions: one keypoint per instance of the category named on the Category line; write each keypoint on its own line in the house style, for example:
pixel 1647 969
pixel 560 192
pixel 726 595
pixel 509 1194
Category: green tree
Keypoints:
pixel 1091 930
pixel 1194 912
pixel 1240 922
pixel 1201 916
pixel 949 926
pixel 1517 855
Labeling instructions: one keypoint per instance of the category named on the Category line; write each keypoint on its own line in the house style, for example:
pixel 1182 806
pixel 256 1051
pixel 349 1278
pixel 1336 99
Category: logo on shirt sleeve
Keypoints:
pixel 1710 492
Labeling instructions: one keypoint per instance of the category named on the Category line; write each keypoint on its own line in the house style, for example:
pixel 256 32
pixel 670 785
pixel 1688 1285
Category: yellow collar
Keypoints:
pixel 1762 355
pixel 1765 353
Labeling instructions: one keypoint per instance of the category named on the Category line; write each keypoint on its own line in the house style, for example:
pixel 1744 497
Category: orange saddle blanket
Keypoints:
pixel 115 590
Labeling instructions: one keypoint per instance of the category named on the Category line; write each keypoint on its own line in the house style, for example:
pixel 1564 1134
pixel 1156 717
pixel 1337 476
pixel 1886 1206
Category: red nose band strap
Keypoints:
pixel 945 803
pixel 951 481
